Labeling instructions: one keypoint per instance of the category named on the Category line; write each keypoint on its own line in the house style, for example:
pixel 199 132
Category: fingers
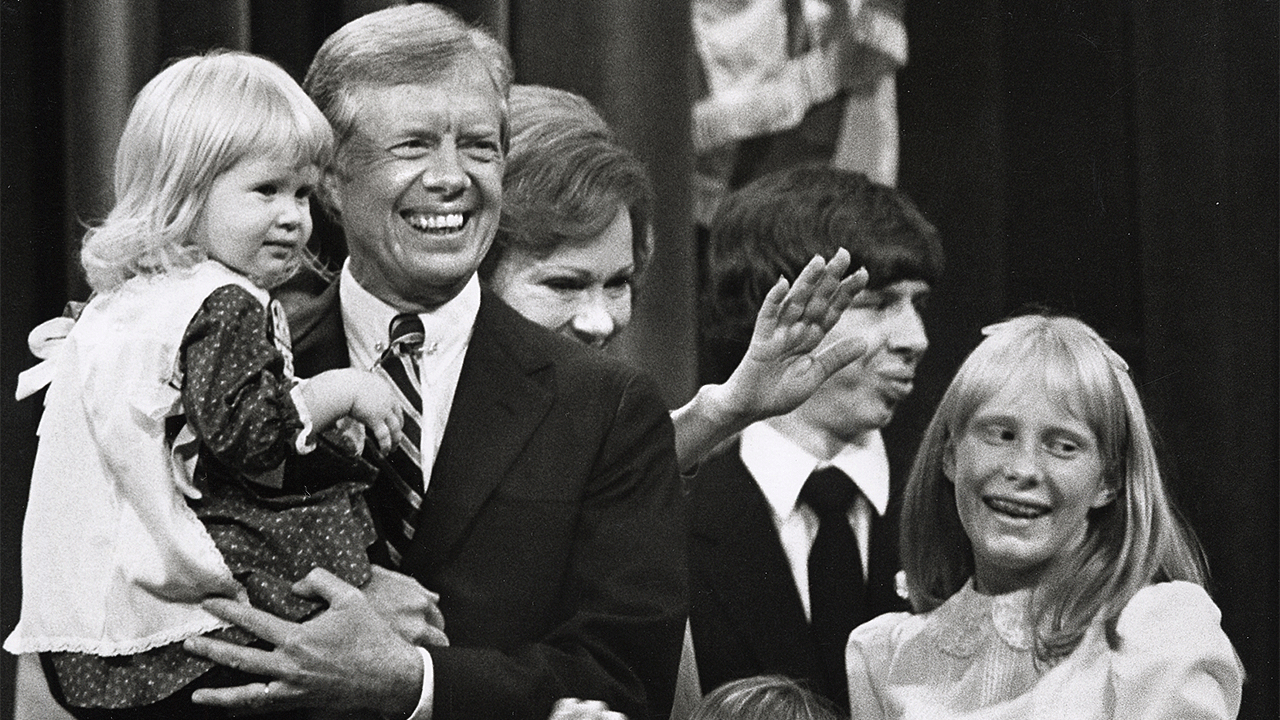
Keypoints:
pixel 320 583
pixel 850 287
pixel 809 283
pixel 385 575
pixel 262 624
pixel 772 305
pixel 840 354
pixel 575 709
pixel 431 636
pixel 237 657
pixel 821 291
pixel 254 698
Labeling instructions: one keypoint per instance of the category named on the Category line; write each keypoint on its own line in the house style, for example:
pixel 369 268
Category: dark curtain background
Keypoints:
pixel 1119 161
pixel 1114 159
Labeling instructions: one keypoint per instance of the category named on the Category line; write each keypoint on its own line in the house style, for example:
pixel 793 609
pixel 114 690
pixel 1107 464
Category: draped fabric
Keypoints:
pixel 1117 160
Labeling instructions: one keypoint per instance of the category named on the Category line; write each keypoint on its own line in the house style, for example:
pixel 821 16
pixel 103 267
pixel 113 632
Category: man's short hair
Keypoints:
pixel 402 45
pixel 775 225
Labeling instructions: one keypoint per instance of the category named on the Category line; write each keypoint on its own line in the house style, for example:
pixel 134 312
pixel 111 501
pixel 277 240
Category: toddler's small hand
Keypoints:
pixel 377 404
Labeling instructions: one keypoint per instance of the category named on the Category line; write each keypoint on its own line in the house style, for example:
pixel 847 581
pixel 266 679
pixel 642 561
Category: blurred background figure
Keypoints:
pixel 785 82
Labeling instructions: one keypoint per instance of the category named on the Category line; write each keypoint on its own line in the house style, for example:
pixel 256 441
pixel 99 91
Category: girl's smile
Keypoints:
pixel 1026 472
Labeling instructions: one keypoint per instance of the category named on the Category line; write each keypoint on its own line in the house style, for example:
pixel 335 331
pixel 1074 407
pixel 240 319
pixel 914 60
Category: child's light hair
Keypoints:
pixel 1130 543
pixel 192 122
pixel 764 697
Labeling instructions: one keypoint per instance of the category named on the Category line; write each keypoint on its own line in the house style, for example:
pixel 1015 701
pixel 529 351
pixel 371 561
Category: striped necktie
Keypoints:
pixel 396 498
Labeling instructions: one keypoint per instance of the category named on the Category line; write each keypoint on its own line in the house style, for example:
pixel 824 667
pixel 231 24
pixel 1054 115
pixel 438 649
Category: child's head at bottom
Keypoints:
pixel 198 122
pixel 764 697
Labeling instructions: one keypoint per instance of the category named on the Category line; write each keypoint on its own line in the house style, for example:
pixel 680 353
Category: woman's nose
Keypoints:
pixel 594 324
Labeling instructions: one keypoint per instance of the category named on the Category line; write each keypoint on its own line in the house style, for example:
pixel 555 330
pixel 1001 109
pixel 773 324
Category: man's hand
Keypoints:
pixel 347 657
pixel 410 608
pixel 786 360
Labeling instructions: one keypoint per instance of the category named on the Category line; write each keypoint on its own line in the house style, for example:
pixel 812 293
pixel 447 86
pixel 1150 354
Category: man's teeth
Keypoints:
pixel 1016 509
pixel 449 221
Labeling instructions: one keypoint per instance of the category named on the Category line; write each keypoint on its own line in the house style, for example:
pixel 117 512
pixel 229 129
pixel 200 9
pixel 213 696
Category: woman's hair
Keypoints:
pixel 775 225
pixel 412 44
pixel 566 178
pixel 764 697
pixel 1129 543
pixel 193 121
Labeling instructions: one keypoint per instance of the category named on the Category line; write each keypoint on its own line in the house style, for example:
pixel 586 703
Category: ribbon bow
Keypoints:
pixel 46 343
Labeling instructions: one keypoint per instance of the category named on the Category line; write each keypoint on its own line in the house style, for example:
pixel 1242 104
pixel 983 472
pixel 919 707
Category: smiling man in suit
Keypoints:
pixel 793 527
pixel 535 491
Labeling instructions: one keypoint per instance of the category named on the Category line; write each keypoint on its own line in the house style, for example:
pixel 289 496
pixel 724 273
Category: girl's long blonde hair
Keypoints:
pixel 1130 543
pixel 193 121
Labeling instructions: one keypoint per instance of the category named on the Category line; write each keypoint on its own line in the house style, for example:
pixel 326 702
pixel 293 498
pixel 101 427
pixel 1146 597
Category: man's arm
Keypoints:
pixel 623 601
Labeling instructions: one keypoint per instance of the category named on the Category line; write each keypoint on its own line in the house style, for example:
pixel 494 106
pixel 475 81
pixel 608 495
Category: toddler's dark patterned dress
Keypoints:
pixel 236 396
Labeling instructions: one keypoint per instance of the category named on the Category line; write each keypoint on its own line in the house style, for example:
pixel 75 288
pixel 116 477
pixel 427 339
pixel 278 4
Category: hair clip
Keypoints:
pixel 1112 356
pixel 1003 325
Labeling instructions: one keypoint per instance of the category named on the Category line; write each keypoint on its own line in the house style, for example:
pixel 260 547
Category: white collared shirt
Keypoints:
pixel 780 468
pixel 446 335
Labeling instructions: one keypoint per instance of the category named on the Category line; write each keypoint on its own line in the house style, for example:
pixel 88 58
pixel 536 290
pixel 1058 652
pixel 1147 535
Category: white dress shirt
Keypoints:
pixel 780 467
pixel 446 335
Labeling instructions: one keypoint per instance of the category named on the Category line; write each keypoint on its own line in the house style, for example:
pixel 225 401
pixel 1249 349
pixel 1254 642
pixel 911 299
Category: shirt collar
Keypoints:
pixel 367 319
pixel 780 467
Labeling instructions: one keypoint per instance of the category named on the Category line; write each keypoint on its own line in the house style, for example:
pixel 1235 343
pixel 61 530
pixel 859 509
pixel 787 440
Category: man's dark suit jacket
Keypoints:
pixel 553 526
pixel 747 617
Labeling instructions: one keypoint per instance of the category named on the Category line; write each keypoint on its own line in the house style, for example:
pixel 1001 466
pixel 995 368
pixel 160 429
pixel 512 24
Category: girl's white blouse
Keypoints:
pixel 114 562
pixel 972 658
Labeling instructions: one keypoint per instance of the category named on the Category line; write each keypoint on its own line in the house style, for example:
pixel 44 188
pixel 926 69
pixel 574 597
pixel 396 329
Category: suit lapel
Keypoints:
pixel 502 398
pixel 749 574
pixel 318 337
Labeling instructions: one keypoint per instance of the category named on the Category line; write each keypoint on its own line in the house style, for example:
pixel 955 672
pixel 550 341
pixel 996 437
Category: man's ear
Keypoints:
pixel 330 185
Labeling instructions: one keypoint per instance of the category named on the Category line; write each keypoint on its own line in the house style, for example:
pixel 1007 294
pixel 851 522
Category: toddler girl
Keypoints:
pixel 172 405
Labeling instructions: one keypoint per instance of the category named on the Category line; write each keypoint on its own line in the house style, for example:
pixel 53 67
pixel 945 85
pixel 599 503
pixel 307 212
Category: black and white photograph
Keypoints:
pixel 639 360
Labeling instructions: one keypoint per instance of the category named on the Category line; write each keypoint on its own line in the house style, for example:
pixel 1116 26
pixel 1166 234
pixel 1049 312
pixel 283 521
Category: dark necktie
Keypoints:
pixel 397 496
pixel 836 594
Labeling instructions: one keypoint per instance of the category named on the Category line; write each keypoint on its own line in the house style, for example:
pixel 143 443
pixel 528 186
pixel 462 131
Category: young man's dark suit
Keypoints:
pixel 746 614
pixel 553 526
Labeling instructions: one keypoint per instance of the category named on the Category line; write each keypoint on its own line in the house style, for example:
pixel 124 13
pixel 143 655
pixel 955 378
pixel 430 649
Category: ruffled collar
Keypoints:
pixel 965 623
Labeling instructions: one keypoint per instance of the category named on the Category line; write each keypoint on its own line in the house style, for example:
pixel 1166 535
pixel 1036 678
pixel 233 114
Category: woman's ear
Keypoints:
pixel 1106 494
pixel 949 459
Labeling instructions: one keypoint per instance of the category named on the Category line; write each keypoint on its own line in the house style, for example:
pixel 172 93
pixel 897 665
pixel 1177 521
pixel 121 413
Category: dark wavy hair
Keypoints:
pixel 776 224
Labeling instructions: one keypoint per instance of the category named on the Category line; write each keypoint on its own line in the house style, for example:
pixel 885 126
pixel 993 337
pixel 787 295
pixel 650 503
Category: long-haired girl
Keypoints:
pixel 1050 573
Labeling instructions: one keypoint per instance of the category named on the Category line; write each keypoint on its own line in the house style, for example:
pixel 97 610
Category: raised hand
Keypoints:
pixel 787 360
pixel 785 363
